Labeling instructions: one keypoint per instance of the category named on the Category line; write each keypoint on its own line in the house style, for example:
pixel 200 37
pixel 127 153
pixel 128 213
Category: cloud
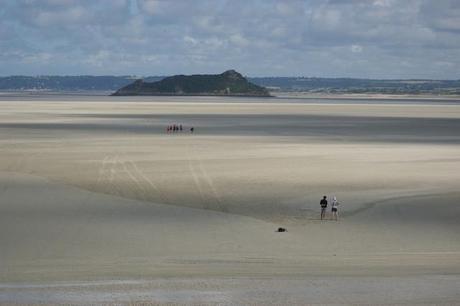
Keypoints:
pixel 239 40
pixel 356 49
pixel 379 38
pixel 148 6
pixel 441 15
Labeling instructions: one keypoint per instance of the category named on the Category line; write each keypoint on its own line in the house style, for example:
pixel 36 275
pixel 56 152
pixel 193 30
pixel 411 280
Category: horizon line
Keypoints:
pixel 246 76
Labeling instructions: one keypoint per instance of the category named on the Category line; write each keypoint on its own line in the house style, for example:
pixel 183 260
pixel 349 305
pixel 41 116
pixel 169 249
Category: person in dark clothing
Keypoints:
pixel 323 204
pixel 180 127
pixel 192 129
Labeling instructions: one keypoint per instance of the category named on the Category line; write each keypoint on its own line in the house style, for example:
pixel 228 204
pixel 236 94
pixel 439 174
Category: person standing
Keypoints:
pixel 323 204
pixel 334 209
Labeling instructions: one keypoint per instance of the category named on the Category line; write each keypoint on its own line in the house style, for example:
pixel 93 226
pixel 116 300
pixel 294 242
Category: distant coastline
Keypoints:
pixel 276 85
pixel 364 96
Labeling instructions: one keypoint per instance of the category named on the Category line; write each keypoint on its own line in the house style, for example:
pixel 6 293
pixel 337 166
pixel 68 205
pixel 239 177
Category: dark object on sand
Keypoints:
pixel 281 230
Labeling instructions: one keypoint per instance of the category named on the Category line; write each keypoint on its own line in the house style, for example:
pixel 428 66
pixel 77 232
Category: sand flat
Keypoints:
pixel 96 191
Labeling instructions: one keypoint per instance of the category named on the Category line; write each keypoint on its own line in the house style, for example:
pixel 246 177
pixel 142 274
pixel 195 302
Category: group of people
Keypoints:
pixel 334 208
pixel 173 128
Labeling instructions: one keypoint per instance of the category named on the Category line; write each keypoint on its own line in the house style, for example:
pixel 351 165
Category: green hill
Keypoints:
pixel 229 83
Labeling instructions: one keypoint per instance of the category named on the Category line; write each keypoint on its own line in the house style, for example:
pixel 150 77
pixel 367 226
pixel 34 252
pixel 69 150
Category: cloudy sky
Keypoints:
pixel 335 38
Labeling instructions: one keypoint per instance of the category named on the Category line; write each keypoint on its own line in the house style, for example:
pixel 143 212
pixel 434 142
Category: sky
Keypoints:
pixel 312 38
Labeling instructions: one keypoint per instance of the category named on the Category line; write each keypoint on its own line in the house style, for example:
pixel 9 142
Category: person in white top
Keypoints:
pixel 334 209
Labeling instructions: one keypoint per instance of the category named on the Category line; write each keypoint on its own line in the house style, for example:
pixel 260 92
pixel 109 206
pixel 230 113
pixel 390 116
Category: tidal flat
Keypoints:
pixel 100 204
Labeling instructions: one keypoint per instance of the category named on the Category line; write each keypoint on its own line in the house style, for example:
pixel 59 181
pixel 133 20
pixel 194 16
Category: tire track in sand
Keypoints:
pixel 210 182
pixel 204 176
pixel 107 173
pixel 197 183
pixel 142 175
pixel 136 181
pixel 113 167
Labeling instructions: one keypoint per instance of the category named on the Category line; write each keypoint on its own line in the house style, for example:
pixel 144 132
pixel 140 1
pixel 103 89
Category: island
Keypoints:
pixel 229 83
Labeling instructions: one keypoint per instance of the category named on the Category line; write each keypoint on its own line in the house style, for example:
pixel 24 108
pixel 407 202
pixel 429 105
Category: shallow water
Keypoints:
pixel 277 98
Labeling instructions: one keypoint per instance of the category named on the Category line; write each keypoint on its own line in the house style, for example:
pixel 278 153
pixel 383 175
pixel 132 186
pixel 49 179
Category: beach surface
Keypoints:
pixel 99 204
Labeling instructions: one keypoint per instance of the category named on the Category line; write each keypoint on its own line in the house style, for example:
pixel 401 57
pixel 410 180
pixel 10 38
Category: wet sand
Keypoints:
pixel 99 204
